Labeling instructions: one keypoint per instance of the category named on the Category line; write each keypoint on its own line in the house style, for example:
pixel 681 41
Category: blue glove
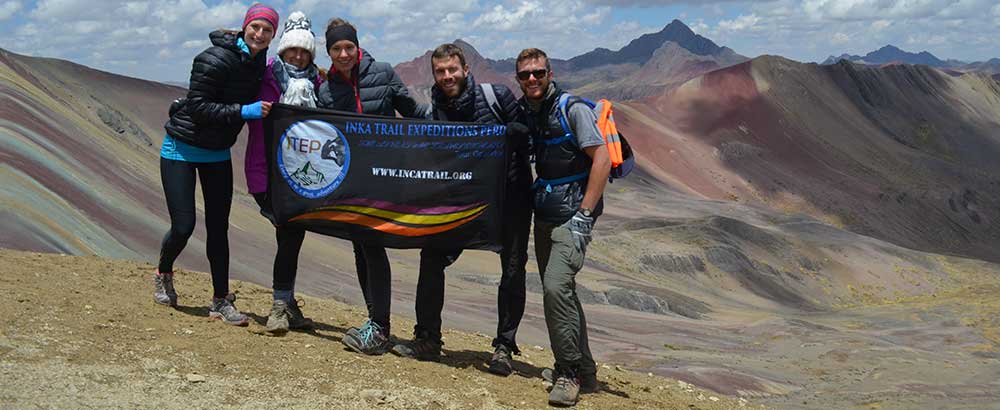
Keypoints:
pixel 252 112
pixel 580 226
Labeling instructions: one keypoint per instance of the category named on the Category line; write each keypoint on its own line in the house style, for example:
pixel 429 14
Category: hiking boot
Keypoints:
pixel 588 382
pixel 423 347
pixel 296 320
pixel 370 339
pixel 223 309
pixel 501 364
pixel 163 289
pixel 566 390
pixel 277 321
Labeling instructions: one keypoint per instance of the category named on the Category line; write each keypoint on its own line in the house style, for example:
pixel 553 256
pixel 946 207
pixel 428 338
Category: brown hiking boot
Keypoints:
pixel 588 382
pixel 566 390
pixel 277 321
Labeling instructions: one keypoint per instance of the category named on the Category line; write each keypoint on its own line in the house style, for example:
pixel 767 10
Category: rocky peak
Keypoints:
pixel 640 50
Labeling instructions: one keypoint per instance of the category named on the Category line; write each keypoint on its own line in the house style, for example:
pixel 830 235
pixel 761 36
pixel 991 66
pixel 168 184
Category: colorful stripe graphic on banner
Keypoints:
pixel 396 219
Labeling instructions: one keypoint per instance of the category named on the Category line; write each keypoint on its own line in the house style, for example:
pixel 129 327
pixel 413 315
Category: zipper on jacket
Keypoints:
pixel 357 79
pixel 352 81
pixel 357 97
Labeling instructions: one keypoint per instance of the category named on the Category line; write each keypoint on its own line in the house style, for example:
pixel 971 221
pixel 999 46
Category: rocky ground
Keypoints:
pixel 83 332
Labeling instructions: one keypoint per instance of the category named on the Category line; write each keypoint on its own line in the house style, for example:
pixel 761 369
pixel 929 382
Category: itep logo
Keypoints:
pixel 313 157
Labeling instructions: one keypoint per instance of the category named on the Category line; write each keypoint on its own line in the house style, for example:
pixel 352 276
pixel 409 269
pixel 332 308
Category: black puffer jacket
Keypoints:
pixel 471 106
pixel 377 87
pixel 223 79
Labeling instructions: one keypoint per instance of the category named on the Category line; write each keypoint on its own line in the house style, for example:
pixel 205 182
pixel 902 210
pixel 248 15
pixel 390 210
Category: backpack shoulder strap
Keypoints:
pixel 491 101
pixel 562 113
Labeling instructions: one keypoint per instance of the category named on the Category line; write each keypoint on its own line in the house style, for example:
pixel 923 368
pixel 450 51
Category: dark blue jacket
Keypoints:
pixel 375 85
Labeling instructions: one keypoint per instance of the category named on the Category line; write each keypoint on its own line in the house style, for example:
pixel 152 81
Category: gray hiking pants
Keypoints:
pixel 559 259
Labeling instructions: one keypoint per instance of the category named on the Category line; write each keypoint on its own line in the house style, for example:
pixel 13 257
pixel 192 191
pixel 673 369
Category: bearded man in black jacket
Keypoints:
pixel 457 97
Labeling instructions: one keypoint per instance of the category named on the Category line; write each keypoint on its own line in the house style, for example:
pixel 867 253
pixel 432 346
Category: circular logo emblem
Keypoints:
pixel 313 157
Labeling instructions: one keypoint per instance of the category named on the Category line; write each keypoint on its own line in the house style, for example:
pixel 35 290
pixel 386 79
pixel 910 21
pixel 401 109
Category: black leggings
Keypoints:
pixel 286 260
pixel 371 262
pixel 178 178
pixel 375 278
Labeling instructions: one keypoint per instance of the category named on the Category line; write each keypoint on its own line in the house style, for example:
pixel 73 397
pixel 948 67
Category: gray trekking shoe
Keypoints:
pixel 369 340
pixel 296 320
pixel 277 321
pixel 588 382
pixel 224 310
pixel 565 391
pixel 501 364
pixel 163 289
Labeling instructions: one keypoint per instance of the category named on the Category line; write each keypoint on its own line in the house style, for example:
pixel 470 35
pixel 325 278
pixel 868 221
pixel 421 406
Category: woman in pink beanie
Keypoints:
pixel 222 96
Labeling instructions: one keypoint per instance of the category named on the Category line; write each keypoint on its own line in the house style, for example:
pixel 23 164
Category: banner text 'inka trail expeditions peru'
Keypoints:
pixel 401 183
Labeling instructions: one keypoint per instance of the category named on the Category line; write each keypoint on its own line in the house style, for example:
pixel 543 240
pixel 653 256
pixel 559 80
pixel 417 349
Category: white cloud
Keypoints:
pixel 699 27
pixel 946 28
pixel 309 7
pixel 741 23
pixel 66 9
pixel 870 9
pixel 27 30
pixel 374 9
pixel 502 19
pixel 195 44
pixel 839 39
pixel 879 25
pixel 892 9
pixel 221 15
pixel 923 39
pixel 135 9
pixel 8 8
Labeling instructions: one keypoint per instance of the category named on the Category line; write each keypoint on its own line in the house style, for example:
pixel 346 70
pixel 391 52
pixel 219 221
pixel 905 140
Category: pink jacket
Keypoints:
pixel 255 163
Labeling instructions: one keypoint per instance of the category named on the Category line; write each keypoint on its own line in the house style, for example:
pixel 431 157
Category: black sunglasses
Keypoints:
pixel 525 75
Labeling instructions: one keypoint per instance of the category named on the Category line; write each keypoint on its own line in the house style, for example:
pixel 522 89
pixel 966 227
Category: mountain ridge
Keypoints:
pixel 601 73
pixel 641 49
pixel 891 54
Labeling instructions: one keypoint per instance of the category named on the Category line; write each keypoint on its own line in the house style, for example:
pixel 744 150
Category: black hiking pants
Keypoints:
pixel 511 292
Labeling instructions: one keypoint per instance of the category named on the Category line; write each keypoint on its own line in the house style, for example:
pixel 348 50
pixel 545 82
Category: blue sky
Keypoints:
pixel 158 39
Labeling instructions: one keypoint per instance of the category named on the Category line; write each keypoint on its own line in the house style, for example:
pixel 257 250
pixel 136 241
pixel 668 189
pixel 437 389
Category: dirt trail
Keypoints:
pixel 83 332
